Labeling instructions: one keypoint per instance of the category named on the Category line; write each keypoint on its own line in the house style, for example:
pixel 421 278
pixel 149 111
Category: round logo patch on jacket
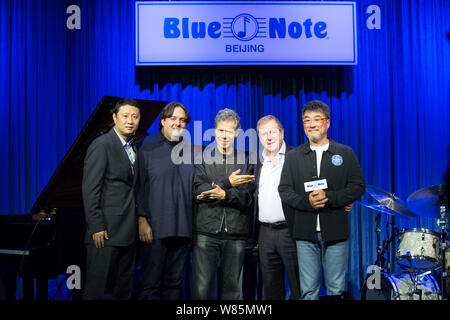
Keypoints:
pixel 337 160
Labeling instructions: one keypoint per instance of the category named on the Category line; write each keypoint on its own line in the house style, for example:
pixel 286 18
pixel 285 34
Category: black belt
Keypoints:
pixel 275 225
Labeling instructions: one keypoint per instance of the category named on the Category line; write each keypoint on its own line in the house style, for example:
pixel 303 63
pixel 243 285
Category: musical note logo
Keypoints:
pixel 241 34
pixel 244 27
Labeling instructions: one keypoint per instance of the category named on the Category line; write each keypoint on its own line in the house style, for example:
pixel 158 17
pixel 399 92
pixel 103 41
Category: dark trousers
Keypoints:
pixel 277 253
pixel 208 252
pixel 163 263
pixel 109 272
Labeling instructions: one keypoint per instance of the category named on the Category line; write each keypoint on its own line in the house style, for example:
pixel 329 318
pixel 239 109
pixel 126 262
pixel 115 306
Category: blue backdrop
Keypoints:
pixel 392 108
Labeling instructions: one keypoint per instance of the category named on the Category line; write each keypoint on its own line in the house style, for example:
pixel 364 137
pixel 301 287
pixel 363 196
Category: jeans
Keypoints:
pixel 333 256
pixel 207 253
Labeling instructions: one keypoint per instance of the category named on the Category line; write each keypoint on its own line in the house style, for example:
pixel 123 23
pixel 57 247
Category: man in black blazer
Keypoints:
pixel 277 248
pixel 319 182
pixel 108 195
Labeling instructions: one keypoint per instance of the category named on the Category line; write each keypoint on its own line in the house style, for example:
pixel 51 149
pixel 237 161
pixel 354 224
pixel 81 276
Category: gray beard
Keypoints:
pixel 314 139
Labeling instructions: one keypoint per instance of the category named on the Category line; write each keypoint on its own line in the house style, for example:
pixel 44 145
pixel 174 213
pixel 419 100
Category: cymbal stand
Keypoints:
pixel 390 243
pixel 380 259
pixel 417 278
pixel 443 223
pixel 415 289
pixel 387 245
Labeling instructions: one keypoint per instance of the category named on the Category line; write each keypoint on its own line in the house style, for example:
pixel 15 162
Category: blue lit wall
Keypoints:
pixel 393 108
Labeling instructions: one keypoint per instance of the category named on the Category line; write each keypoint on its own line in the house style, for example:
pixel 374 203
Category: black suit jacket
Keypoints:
pixel 108 191
pixel 288 215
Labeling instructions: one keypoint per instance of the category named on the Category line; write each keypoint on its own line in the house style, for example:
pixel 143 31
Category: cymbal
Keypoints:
pixel 381 208
pixel 391 204
pixel 426 202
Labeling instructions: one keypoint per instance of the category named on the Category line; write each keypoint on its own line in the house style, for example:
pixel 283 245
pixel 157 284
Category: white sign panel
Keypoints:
pixel 245 33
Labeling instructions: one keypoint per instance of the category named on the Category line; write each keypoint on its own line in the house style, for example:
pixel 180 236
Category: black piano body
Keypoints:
pixel 43 244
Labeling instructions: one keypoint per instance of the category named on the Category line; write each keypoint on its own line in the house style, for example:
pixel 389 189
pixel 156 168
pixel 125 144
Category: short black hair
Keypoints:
pixel 168 110
pixel 316 105
pixel 124 102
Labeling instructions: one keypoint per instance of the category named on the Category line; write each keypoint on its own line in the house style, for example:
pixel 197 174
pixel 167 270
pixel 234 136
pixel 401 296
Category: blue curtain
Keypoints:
pixel 392 108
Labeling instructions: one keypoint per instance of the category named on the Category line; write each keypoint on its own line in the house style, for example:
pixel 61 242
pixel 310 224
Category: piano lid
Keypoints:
pixel 63 191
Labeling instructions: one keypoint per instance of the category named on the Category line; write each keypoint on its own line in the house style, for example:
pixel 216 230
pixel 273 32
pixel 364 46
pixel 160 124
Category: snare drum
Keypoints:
pixel 401 287
pixel 418 249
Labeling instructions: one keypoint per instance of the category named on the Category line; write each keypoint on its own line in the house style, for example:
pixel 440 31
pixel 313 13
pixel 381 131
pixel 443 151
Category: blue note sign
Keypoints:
pixel 241 33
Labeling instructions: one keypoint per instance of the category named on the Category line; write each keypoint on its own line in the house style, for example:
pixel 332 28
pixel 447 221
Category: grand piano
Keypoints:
pixel 39 246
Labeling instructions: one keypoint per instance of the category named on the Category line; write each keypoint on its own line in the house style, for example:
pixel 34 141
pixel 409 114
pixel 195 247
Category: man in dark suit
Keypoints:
pixel 277 249
pixel 108 183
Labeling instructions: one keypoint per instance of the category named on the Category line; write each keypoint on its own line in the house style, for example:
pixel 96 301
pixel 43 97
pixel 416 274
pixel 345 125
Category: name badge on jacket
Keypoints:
pixel 316 185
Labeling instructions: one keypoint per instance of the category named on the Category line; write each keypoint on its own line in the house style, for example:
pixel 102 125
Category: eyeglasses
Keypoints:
pixel 309 122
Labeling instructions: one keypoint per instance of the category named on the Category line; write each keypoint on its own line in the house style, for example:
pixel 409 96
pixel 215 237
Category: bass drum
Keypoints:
pixel 400 286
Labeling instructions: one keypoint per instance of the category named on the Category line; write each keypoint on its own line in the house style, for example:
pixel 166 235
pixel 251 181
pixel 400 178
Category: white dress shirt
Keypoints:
pixel 269 201
pixel 128 148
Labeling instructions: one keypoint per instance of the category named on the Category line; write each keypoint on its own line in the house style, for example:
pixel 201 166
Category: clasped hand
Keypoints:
pixel 318 199
pixel 216 193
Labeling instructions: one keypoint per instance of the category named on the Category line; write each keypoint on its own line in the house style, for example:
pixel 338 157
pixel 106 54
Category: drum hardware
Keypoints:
pixel 379 248
pixel 416 280
pixel 444 270
pixel 432 202
pixel 392 205
pixel 442 222
pixel 447 257
pixel 393 235
pixel 422 249
pixel 403 286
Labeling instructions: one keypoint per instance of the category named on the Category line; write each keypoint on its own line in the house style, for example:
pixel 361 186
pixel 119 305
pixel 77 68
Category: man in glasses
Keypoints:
pixel 319 179
pixel 164 203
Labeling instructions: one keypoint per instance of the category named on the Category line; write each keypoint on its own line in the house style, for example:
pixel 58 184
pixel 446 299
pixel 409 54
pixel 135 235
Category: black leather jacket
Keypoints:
pixel 231 215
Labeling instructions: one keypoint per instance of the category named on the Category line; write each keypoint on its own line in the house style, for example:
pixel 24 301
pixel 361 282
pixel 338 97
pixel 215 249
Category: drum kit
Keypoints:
pixel 419 252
